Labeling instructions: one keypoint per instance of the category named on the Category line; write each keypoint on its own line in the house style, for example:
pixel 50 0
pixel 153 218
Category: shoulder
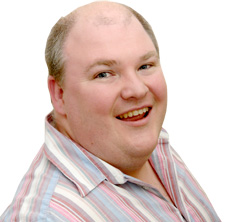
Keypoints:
pixel 32 199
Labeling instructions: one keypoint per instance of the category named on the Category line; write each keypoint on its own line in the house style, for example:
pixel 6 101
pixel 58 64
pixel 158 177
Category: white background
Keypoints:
pixel 195 39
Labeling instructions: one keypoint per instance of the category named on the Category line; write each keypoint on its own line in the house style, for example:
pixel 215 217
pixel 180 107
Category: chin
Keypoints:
pixel 144 147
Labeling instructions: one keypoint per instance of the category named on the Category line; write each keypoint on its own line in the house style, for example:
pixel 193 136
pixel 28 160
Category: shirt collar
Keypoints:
pixel 84 169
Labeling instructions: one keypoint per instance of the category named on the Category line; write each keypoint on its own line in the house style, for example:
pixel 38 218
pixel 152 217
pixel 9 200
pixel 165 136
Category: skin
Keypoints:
pixel 111 67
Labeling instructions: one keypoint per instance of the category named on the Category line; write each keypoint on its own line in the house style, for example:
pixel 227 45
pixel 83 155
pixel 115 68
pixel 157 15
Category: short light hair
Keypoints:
pixel 54 54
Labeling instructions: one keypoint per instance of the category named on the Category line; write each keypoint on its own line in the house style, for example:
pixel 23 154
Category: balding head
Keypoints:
pixel 103 13
pixel 96 13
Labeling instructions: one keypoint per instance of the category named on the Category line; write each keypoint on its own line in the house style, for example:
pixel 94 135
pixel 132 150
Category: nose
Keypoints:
pixel 133 87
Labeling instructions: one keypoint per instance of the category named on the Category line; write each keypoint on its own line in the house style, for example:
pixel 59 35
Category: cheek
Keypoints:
pixel 95 100
pixel 158 87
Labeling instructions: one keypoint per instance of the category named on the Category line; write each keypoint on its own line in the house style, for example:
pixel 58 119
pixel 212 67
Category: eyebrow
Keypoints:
pixel 113 62
pixel 148 55
pixel 102 63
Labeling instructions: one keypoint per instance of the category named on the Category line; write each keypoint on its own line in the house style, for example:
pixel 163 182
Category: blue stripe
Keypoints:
pixel 48 195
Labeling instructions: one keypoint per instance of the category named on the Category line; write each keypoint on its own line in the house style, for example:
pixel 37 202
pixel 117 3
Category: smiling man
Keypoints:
pixel 106 156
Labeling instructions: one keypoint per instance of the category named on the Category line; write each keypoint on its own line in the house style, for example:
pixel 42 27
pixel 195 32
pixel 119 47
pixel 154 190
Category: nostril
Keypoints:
pixel 135 90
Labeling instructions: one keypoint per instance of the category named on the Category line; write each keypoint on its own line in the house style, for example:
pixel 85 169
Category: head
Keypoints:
pixel 54 48
pixel 109 94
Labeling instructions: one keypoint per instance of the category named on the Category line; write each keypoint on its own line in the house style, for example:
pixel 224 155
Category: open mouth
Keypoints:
pixel 135 115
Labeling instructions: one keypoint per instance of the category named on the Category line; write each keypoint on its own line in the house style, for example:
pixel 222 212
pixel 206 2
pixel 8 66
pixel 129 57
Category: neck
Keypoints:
pixel 145 173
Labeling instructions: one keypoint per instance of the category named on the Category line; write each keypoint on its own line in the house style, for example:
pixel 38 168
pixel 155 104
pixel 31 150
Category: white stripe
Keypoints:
pixel 29 198
pixel 79 201
pixel 52 213
pixel 163 135
pixel 67 163
pixel 194 202
pixel 118 175
pixel 136 204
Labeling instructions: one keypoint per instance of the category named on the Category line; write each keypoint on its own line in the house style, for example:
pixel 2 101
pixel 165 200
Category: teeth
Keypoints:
pixel 134 113
pixel 125 115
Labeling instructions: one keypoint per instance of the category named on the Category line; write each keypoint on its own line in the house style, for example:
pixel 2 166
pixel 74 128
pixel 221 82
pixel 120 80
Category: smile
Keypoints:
pixel 134 115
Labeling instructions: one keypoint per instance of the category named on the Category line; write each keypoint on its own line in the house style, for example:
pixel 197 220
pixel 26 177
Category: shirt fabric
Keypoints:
pixel 67 183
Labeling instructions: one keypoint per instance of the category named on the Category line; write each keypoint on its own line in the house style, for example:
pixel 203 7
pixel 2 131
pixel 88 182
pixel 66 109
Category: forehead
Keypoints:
pixel 96 26
pixel 87 37
pixel 112 35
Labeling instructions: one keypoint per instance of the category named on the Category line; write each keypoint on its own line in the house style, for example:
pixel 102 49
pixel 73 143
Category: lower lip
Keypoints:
pixel 137 122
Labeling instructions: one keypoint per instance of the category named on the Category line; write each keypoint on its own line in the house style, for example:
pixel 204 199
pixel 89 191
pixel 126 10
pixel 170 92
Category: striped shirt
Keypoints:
pixel 67 183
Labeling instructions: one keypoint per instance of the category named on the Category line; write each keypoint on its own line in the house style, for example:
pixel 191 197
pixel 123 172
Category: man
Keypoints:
pixel 106 156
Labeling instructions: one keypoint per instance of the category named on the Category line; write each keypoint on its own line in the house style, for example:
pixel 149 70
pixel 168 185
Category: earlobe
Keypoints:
pixel 56 93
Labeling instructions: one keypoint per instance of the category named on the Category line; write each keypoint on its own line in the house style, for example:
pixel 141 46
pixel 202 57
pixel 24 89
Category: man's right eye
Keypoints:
pixel 103 75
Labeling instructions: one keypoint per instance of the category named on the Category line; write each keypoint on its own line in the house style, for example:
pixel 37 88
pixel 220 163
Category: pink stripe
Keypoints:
pixel 64 211
pixel 166 208
pixel 193 181
pixel 195 214
pixel 122 203
pixel 161 158
pixel 26 187
pixel 40 191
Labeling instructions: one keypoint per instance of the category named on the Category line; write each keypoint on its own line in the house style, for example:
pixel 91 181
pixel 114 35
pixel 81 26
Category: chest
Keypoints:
pixel 108 202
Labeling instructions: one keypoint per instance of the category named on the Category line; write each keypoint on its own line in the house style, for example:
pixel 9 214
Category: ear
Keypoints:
pixel 56 93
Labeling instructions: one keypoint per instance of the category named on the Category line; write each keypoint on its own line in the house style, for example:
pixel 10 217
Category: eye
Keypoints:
pixel 103 75
pixel 144 67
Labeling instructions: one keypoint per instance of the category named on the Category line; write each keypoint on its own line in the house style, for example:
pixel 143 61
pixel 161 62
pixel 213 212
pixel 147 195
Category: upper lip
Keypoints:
pixel 133 109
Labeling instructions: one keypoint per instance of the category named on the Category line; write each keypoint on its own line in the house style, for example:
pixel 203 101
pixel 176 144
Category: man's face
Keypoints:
pixel 114 91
